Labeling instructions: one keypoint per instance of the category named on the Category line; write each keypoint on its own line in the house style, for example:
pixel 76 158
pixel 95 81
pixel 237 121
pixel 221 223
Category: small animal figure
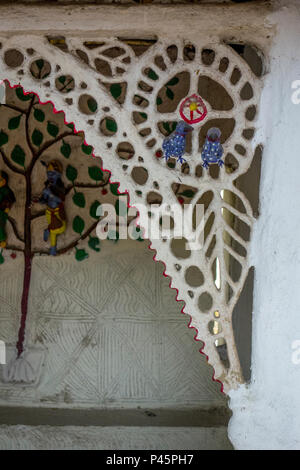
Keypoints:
pixel 7 199
pixel 174 144
pixel 54 195
pixel 212 150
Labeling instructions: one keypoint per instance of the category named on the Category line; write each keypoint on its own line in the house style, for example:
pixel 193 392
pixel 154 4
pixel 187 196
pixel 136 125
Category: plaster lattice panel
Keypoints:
pixel 228 217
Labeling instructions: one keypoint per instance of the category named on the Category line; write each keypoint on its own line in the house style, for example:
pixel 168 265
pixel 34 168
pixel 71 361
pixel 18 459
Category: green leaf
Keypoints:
pixel 170 93
pixel 52 129
pixel 79 199
pixel 173 81
pixel 121 208
pixel 40 63
pixel 37 137
pixel 81 254
pixel 140 238
pixel 166 127
pixel 188 193
pixel 87 149
pixel 143 115
pixel 95 173
pixel 158 101
pixel 111 125
pixel 65 149
pixel 92 105
pixel 137 234
pixel 71 126
pixel 94 209
pixel 39 115
pixel 78 224
pixel 18 155
pixel 62 79
pixel 94 243
pixel 71 173
pixel 1 257
pixel 169 126
pixel 21 95
pixel 171 164
pixel 114 189
pixel 14 122
pixel 152 75
pixel 116 90
pixel 3 138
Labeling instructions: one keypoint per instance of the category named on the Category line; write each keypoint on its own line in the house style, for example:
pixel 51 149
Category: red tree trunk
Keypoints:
pixel 24 302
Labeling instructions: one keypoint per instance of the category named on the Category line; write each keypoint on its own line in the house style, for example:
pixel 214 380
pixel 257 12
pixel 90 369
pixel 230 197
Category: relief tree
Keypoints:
pixel 36 145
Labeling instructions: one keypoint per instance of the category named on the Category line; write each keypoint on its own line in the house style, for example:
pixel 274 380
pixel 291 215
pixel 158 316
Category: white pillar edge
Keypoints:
pixel 266 412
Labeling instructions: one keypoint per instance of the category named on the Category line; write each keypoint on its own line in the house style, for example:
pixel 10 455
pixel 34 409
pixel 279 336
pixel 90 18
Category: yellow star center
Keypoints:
pixel 193 106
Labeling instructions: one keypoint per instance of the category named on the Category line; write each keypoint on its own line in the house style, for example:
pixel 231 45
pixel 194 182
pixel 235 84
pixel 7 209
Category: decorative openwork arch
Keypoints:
pixel 122 101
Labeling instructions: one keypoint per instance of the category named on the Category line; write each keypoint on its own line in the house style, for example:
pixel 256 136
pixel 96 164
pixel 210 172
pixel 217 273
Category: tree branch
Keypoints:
pixel 14 248
pixel 10 165
pixel 68 189
pixel 15 108
pixel 46 147
pixel 28 140
pixel 15 229
pixel 73 244
pixel 61 251
pixel 38 214
pixel 85 186
pixel 57 139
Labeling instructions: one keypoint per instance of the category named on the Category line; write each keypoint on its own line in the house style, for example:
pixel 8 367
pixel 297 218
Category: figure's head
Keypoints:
pixel 214 134
pixel 3 178
pixel 55 165
pixel 54 170
pixel 183 128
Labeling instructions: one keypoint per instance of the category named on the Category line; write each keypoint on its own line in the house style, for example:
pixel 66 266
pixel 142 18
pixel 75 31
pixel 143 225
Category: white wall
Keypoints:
pixel 267 413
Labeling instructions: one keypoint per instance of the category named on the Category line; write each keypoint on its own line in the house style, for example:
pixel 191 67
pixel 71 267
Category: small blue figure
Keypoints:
pixel 174 144
pixel 53 197
pixel 212 150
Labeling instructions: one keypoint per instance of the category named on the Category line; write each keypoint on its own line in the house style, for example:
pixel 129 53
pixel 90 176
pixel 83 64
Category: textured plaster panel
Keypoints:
pixel 10 295
pixel 266 414
pixel 112 332
pixel 121 438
